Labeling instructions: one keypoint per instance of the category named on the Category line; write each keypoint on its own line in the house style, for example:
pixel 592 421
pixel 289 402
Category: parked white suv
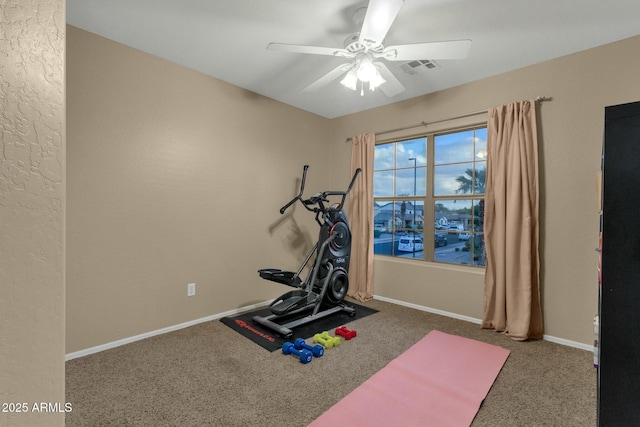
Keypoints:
pixel 455 227
pixel 410 244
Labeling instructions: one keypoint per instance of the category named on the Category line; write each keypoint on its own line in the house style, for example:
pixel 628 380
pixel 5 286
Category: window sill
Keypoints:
pixel 430 264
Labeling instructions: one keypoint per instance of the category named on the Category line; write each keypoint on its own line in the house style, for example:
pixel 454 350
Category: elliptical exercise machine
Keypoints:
pixel 327 282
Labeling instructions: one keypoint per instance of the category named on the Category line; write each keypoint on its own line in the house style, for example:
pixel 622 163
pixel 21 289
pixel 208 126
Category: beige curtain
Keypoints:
pixel 512 291
pixel 360 213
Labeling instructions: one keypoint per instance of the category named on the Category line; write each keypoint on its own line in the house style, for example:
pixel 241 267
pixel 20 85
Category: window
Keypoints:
pixel 431 186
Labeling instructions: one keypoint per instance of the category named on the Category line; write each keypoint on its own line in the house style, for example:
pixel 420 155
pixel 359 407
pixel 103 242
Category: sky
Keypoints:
pixel 454 153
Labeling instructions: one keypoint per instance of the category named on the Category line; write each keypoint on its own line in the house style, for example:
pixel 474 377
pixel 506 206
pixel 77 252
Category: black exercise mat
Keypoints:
pixel 271 340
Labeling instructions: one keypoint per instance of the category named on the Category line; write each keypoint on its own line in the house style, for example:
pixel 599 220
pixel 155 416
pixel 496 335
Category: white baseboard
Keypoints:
pixel 569 343
pixel 129 340
pixel 429 309
pixel 549 338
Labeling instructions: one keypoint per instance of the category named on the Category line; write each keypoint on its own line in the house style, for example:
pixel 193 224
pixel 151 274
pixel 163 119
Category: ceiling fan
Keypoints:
pixel 365 49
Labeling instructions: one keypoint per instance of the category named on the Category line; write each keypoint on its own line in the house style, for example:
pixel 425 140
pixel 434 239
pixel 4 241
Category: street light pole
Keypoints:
pixel 415 170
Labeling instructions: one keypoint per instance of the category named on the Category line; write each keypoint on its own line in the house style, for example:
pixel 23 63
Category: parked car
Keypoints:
pixel 441 240
pixel 464 236
pixel 410 244
pixel 452 228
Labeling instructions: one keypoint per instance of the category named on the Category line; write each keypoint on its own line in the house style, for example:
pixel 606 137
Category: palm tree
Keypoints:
pixel 467 183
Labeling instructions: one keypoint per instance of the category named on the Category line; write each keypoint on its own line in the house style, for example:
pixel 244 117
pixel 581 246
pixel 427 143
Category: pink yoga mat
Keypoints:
pixel 440 381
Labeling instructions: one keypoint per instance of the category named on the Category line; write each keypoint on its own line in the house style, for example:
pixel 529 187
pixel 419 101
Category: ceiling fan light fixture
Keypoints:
pixel 366 70
pixel 350 80
pixel 376 81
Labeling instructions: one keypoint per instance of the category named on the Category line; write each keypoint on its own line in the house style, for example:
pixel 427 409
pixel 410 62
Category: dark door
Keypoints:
pixel 619 366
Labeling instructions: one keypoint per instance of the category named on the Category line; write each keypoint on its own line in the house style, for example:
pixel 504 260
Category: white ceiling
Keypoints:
pixel 227 39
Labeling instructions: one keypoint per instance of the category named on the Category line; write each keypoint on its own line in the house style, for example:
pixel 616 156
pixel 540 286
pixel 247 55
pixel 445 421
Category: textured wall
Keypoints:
pixel 32 208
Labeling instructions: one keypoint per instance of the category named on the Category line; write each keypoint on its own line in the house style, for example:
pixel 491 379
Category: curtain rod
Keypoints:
pixel 461 116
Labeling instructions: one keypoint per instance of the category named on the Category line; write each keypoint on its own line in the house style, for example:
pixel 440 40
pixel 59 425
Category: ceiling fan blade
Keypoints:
pixel 380 15
pixel 455 49
pixel 313 50
pixel 392 85
pixel 329 77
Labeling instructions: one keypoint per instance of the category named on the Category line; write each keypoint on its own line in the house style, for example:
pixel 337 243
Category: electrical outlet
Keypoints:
pixel 191 289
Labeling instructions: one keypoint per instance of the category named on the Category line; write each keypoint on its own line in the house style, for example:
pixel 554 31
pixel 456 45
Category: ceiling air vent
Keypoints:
pixel 418 66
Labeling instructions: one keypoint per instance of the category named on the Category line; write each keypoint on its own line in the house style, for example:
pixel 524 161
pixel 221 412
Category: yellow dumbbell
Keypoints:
pixel 326 340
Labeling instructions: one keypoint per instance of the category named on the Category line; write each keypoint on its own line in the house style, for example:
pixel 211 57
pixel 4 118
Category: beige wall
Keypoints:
pixel 581 85
pixel 175 178
pixel 32 201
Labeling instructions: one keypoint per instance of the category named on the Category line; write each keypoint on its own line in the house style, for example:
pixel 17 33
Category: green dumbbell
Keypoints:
pixel 326 340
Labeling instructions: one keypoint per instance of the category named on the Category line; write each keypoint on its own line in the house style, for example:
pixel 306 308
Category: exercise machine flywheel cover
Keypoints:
pixel 338 286
pixel 343 235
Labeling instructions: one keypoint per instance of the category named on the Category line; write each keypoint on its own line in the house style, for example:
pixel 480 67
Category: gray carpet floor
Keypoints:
pixel 209 375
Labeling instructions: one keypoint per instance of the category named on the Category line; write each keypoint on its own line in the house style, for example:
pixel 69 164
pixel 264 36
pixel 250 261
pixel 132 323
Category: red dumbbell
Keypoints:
pixel 345 333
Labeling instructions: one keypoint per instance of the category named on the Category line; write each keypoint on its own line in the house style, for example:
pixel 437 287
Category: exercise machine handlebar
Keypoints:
pixel 299 196
pixel 320 197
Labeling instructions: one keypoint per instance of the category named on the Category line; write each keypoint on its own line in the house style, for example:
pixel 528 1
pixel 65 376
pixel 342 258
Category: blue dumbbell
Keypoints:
pixel 304 355
pixel 317 350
